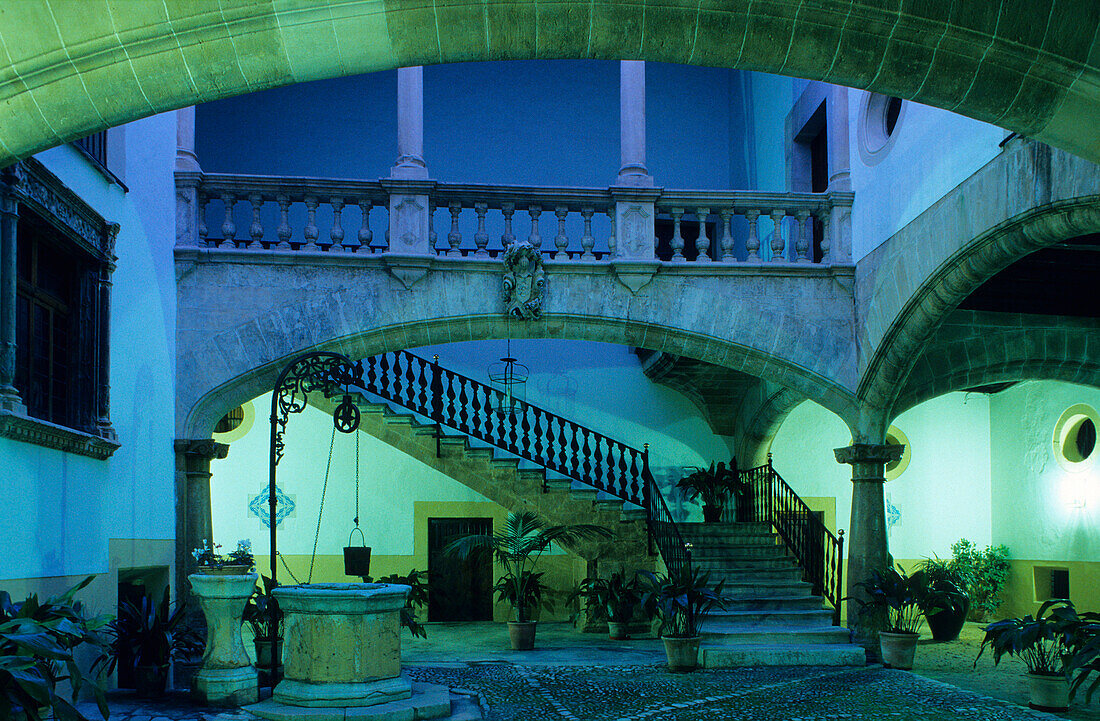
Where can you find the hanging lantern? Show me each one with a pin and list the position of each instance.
(508, 379)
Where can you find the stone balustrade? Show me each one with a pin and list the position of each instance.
(476, 222)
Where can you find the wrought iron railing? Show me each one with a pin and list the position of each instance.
(769, 499)
(470, 407)
(663, 531)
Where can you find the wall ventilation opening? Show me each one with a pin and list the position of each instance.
(1050, 582)
(1075, 437)
(235, 424)
(894, 437)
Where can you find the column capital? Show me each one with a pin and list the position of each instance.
(868, 453)
(202, 447)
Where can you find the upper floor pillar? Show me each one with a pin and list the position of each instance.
(410, 163)
(633, 170)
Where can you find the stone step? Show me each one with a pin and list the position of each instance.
(773, 602)
(741, 550)
(763, 654)
(743, 590)
(745, 573)
(725, 529)
(719, 621)
(731, 562)
(784, 635)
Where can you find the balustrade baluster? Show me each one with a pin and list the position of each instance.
(802, 246)
(449, 411)
(481, 238)
(752, 244)
(475, 409)
(311, 224)
(726, 243)
(702, 243)
(586, 454)
(490, 412)
(372, 375)
(507, 238)
(229, 228)
(778, 243)
(397, 387)
(612, 240)
(563, 446)
(256, 230)
(634, 475)
(384, 376)
(597, 457)
(623, 469)
(422, 399)
(336, 232)
(525, 427)
(454, 238)
(365, 234)
(535, 239)
(677, 240)
(203, 231)
(283, 231)
(537, 440)
(574, 451)
(433, 237)
(463, 407)
(561, 240)
(410, 381)
(826, 235)
(587, 241)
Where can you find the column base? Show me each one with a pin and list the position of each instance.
(328, 695)
(227, 686)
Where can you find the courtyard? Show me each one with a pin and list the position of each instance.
(578, 677)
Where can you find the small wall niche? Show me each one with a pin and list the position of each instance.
(1051, 582)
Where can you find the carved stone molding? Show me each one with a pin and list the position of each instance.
(635, 274)
(202, 447)
(41, 433)
(524, 283)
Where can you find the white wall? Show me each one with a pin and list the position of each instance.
(933, 151)
(61, 509)
(1034, 510)
(942, 496)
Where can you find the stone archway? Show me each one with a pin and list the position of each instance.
(69, 72)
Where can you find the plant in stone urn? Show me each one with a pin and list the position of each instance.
(237, 561)
(896, 603)
(615, 598)
(715, 485)
(517, 548)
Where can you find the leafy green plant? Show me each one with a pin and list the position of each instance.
(682, 598)
(152, 633)
(986, 572)
(241, 556)
(262, 612)
(517, 548)
(415, 601)
(897, 601)
(715, 485)
(36, 653)
(1086, 660)
(946, 585)
(615, 598)
(1046, 643)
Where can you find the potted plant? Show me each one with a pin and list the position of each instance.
(895, 603)
(715, 485)
(416, 600)
(615, 598)
(263, 616)
(682, 598)
(234, 563)
(517, 548)
(37, 640)
(946, 588)
(986, 572)
(153, 635)
(1047, 644)
(1086, 660)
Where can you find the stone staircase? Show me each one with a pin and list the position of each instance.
(772, 617)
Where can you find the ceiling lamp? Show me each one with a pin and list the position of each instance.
(508, 379)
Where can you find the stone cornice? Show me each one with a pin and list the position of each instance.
(203, 447)
(50, 435)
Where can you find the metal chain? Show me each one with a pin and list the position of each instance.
(317, 533)
(285, 566)
(357, 480)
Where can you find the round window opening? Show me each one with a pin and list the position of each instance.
(231, 421)
(1075, 437)
(894, 437)
(235, 424)
(879, 119)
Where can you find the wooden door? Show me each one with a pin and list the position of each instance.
(458, 590)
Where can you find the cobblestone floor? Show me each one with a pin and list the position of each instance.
(650, 693)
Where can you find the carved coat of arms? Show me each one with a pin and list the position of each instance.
(524, 281)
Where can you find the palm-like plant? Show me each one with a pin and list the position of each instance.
(682, 599)
(900, 598)
(517, 548)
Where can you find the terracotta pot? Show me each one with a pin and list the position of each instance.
(712, 514)
(898, 649)
(522, 635)
(149, 681)
(945, 625)
(682, 653)
(1048, 693)
(618, 630)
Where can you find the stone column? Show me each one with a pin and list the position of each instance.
(10, 402)
(103, 341)
(632, 125)
(227, 677)
(867, 545)
(188, 178)
(194, 522)
(836, 123)
(410, 125)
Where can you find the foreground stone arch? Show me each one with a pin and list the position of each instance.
(71, 68)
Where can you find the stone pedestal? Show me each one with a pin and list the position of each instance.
(341, 645)
(227, 677)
